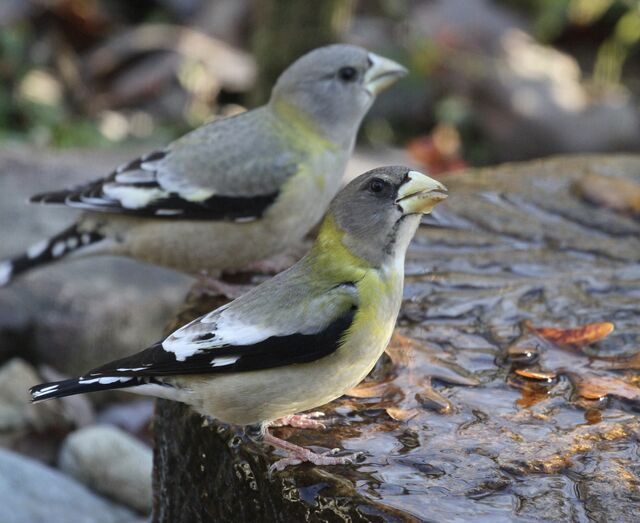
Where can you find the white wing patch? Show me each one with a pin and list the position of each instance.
(6, 269)
(198, 195)
(106, 380)
(137, 176)
(227, 360)
(45, 390)
(133, 197)
(37, 249)
(212, 331)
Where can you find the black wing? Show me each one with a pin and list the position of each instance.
(138, 179)
(275, 351)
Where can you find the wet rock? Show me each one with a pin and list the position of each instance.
(78, 314)
(33, 493)
(17, 413)
(512, 243)
(133, 417)
(111, 462)
(23, 425)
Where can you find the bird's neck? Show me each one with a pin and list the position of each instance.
(330, 255)
(305, 126)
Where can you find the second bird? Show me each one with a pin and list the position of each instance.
(235, 191)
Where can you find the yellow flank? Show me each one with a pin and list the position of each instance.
(371, 290)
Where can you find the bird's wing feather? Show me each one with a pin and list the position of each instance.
(231, 169)
(222, 341)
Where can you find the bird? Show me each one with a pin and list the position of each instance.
(299, 340)
(235, 191)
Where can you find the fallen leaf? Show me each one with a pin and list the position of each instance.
(612, 192)
(596, 386)
(400, 414)
(431, 399)
(369, 389)
(536, 374)
(578, 336)
(400, 349)
(558, 352)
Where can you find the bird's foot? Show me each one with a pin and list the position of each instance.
(210, 286)
(298, 454)
(301, 421)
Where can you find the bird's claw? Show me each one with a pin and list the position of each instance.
(301, 421)
(326, 458)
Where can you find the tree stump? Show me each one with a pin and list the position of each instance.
(450, 431)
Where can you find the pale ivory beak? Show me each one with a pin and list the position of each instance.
(382, 73)
(419, 194)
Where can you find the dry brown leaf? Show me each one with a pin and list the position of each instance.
(613, 192)
(536, 374)
(431, 399)
(368, 389)
(595, 387)
(400, 349)
(578, 336)
(400, 414)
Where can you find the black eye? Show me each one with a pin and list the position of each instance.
(347, 74)
(377, 185)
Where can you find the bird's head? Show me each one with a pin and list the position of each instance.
(377, 214)
(335, 86)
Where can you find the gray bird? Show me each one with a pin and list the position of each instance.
(299, 340)
(235, 191)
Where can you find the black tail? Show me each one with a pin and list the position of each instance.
(67, 242)
(60, 389)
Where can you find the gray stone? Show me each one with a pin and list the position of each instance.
(17, 413)
(33, 493)
(111, 462)
(80, 313)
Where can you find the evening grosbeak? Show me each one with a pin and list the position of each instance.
(300, 339)
(235, 191)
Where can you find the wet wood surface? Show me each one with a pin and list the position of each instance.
(472, 414)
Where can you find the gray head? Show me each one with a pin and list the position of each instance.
(336, 86)
(378, 212)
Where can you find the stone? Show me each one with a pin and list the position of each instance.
(111, 462)
(34, 493)
(17, 413)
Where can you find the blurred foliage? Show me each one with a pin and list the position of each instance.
(105, 72)
(615, 23)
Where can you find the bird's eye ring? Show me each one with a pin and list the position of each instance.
(347, 74)
(376, 185)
